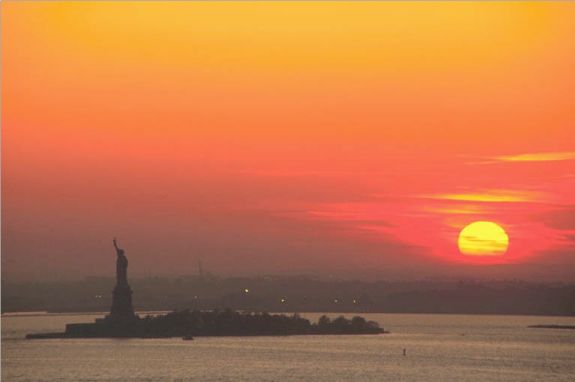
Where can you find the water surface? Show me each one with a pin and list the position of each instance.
(439, 348)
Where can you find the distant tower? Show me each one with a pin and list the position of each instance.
(200, 269)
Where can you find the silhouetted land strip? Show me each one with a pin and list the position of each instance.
(214, 323)
(553, 326)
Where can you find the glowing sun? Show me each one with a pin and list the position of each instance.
(483, 239)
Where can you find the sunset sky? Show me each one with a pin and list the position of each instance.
(346, 139)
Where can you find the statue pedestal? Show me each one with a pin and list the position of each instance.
(122, 303)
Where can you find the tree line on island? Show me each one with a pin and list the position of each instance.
(191, 323)
(233, 323)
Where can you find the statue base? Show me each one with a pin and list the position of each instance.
(122, 303)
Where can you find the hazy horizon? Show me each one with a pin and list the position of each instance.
(536, 273)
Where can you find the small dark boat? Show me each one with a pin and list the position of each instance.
(188, 338)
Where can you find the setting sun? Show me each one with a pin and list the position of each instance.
(483, 238)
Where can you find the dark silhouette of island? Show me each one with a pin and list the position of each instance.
(553, 326)
(215, 323)
(122, 322)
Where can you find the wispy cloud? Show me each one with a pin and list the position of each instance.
(537, 157)
(556, 156)
(490, 196)
(292, 174)
(460, 210)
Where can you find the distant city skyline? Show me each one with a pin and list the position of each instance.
(296, 294)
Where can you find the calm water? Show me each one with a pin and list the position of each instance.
(439, 348)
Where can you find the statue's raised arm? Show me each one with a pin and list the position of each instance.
(118, 249)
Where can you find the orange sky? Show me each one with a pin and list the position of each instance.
(287, 137)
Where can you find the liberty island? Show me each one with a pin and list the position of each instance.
(123, 322)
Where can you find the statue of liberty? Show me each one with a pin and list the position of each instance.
(122, 295)
(121, 265)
